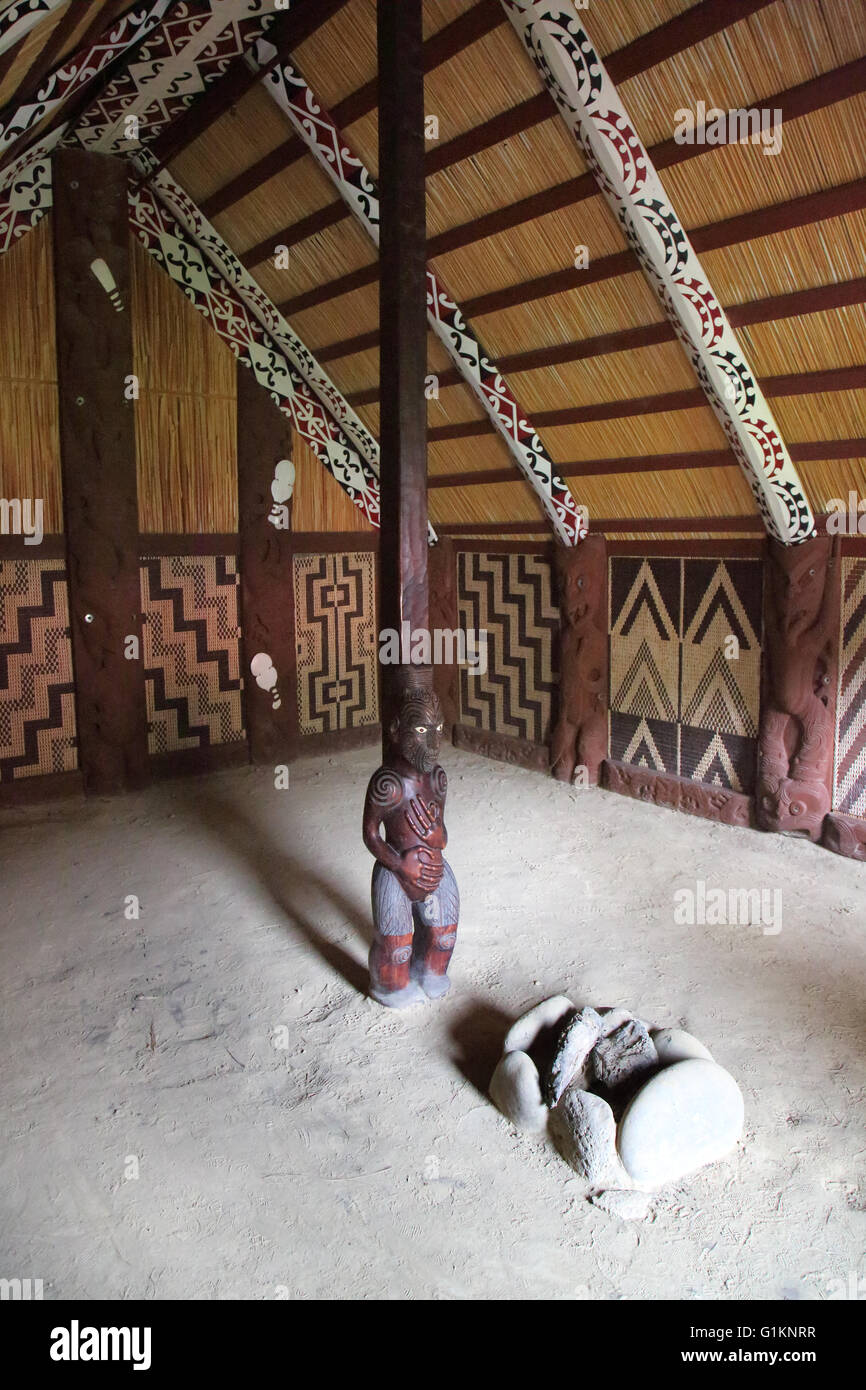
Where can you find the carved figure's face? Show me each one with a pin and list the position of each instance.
(417, 732)
(579, 581)
(793, 808)
(800, 587)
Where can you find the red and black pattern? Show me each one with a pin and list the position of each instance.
(37, 694)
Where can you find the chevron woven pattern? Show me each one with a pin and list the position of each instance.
(37, 701)
(191, 652)
(685, 698)
(511, 598)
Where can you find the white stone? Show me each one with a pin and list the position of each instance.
(522, 1034)
(516, 1090)
(687, 1115)
(627, 1205)
(675, 1045)
(585, 1128)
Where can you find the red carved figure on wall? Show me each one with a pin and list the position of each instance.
(415, 900)
(795, 750)
(580, 735)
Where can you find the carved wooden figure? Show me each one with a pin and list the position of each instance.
(795, 747)
(412, 882)
(580, 736)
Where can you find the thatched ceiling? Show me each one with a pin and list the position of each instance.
(506, 208)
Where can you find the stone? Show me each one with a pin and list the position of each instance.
(516, 1090)
(687, 1115)
(675, 1045)
(625, 1057)
(578, 1036)
(613, 1018)
(617, 1201)
(584, 1126)
(522, 1034)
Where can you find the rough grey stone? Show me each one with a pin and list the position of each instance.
(624, 1057)
(584, 1126)
(577, 1038)
(522, 1034)
(687, 1115)
(516, 1090)
(616, 1201)
(675, 1045)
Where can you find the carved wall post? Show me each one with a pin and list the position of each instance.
(801, 654)
(579, 737)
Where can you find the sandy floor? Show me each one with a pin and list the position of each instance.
(291, 1138)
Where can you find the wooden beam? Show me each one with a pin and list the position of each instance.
(98, 462)
(403, 580)
(653, 463)
(756, 311)
(692, 398)
(267, 609)
(446, 43)
(715, 525)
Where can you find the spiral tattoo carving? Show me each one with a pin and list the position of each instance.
(386, 789)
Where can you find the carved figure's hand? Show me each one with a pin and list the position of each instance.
(423, 816)
(420, 872)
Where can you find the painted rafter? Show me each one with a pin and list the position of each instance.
(19, 17)
(591, 107)
(79, 69)
(353, 181)
(165, 239)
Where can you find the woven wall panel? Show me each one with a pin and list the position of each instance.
(511, 598)
(678, 703)
(191, 652)
(850, 781)
(335, 614)
(37, 700)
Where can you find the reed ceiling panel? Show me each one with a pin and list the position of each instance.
(691, 492)
(318, 501)
(829, 415)
(29, 430)
(465, 455)
(835, 338)
(504, 502)
(829, 479)
(608, 307)
(669, 432)
(343, 317)
(186, 416)
(820, 254)
(232, 144)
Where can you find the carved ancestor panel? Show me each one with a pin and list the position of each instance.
(335, 615)
(678, 793)
(850, 779)
(798, 716)
(191, 652)
(37, 699)
(686, 667)
(511, 598)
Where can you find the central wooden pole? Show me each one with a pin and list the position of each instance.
(403, 339)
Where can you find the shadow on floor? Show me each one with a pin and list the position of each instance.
(478, 1034)
(287, 880)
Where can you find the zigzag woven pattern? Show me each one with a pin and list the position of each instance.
(850, 784)
(684, 698)
(191, 652)
(335, 620)
(511, 598)
(37, 700)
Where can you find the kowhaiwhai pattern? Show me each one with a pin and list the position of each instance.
(590, 104)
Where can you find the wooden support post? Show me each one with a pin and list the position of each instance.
(579, 741)
(802, 595)
(97, 451)
(403, 339)
(265, 474)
